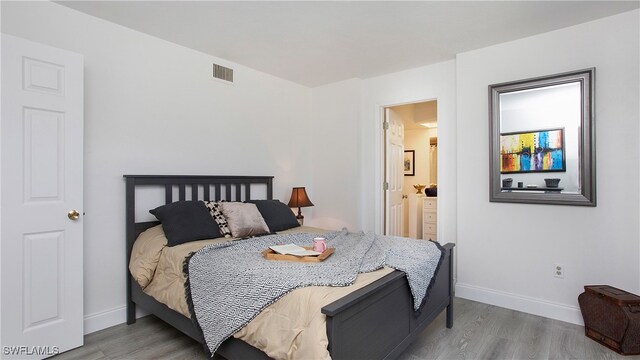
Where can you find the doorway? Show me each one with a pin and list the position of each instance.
(410, 164)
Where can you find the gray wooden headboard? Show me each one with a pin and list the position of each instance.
(189, 187)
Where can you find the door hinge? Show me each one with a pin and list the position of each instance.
(385, 125)
(385, 186)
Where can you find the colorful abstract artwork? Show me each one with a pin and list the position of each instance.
(532, 151)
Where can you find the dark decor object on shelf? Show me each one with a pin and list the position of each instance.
(431, 191)
(612, 318)
(507, 182)
(552, 183)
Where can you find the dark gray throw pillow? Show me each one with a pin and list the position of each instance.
(276, 214)
(185, 221)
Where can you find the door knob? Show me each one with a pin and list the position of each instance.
(73, 215)
(405, 196)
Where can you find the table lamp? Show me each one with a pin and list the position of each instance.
(299, 199)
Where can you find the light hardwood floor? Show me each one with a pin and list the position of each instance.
(479, 331)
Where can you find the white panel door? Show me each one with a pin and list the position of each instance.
(394, 175)
(41, 181)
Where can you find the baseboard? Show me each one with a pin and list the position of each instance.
(104, 319)
(108, 318)
(530, 305)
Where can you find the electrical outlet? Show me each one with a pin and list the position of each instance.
(558, 271)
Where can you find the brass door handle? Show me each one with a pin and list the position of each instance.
(405, 196)
(73, 215)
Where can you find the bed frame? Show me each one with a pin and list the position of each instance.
(374, 322)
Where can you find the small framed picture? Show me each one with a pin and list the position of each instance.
(409, 162)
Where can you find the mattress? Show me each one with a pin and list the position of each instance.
(291, 328)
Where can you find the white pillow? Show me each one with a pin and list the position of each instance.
(244, 219)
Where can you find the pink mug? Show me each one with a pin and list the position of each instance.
(319, 244)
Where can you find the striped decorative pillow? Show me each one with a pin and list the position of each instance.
(216, 214)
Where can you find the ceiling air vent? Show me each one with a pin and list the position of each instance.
(222, 73)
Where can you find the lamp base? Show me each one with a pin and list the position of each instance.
(300, 219)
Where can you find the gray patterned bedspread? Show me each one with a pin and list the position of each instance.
(229, 284)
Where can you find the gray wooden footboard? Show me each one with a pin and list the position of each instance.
(378, 321)
(374, 322)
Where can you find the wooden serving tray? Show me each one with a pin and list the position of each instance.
(272, 255)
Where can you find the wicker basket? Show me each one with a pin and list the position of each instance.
(612, 318)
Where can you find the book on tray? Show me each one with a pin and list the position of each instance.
(292, 249)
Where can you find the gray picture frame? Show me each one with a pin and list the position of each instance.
(586, 142)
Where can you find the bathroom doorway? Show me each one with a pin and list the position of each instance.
(410, 153)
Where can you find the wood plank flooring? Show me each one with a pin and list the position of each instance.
(480, 331)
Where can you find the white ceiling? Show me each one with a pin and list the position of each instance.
(318, 42)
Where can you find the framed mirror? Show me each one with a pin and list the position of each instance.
(542, 141)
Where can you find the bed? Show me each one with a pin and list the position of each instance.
(351, 321)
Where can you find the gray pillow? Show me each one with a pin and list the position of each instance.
(244, 219)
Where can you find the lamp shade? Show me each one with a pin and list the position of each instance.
(299, 198)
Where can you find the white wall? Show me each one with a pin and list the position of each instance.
(151, 107)
(506, 252)
(350, 114)
(425, 83)
(335, 137)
